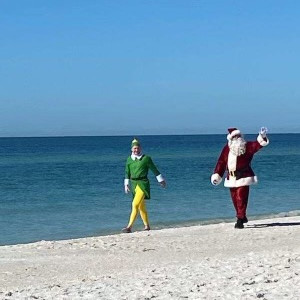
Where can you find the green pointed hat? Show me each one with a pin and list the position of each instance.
(135, 142)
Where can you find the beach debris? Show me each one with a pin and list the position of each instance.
(268, 281)
(148, 249)
(201, 284)
(260, 295)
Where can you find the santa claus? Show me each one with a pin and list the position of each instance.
(236, 158)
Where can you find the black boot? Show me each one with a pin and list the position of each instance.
(239, 224)
(245, 220)
(126, 230)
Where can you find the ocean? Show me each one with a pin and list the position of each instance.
(54, 188)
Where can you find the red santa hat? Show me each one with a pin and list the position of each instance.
(233, 132)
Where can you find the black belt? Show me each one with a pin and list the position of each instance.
(140, 178)
(238, 173)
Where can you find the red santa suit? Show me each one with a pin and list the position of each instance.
(239, 175)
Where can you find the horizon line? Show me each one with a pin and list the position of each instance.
(131, 135)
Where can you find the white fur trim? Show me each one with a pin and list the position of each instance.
(126, 181)
(261, 140)
(160, 178)
(231, 162)
(215, 177)
(232, 182)
(231, 135)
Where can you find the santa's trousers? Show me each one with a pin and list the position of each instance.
(239, 198)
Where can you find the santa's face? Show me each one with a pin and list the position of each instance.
(237, 146)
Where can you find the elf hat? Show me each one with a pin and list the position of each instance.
(135, 142)
(233, 132)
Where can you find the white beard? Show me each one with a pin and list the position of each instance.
(237, 146)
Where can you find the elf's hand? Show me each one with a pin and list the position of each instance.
(127, 189)
(163, 183)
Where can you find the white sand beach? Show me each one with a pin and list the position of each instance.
(216, 261)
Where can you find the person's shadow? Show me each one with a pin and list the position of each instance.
(272, 225)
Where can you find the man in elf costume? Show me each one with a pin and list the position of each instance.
(136, 172)
(236, 159)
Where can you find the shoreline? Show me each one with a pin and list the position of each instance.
(198, 262)
(170, 225)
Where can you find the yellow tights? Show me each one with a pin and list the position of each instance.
(138, 205)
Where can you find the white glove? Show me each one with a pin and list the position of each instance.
(263, 131)
(215, 179)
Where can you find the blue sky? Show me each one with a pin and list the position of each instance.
(117, 67)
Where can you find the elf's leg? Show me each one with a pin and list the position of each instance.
(144, 214)
(136, 202)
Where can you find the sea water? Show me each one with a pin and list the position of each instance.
(55, 188)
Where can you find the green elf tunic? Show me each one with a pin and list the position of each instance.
(137, 172)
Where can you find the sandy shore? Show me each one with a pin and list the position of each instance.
(200, 262)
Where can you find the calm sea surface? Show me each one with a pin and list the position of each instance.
(69, 187)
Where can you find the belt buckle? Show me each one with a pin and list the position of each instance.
(231, 173)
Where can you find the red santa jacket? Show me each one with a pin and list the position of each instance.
(239, 171)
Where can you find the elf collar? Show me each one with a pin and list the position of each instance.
(136, 157)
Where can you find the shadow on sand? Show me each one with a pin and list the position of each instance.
(272, 225)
